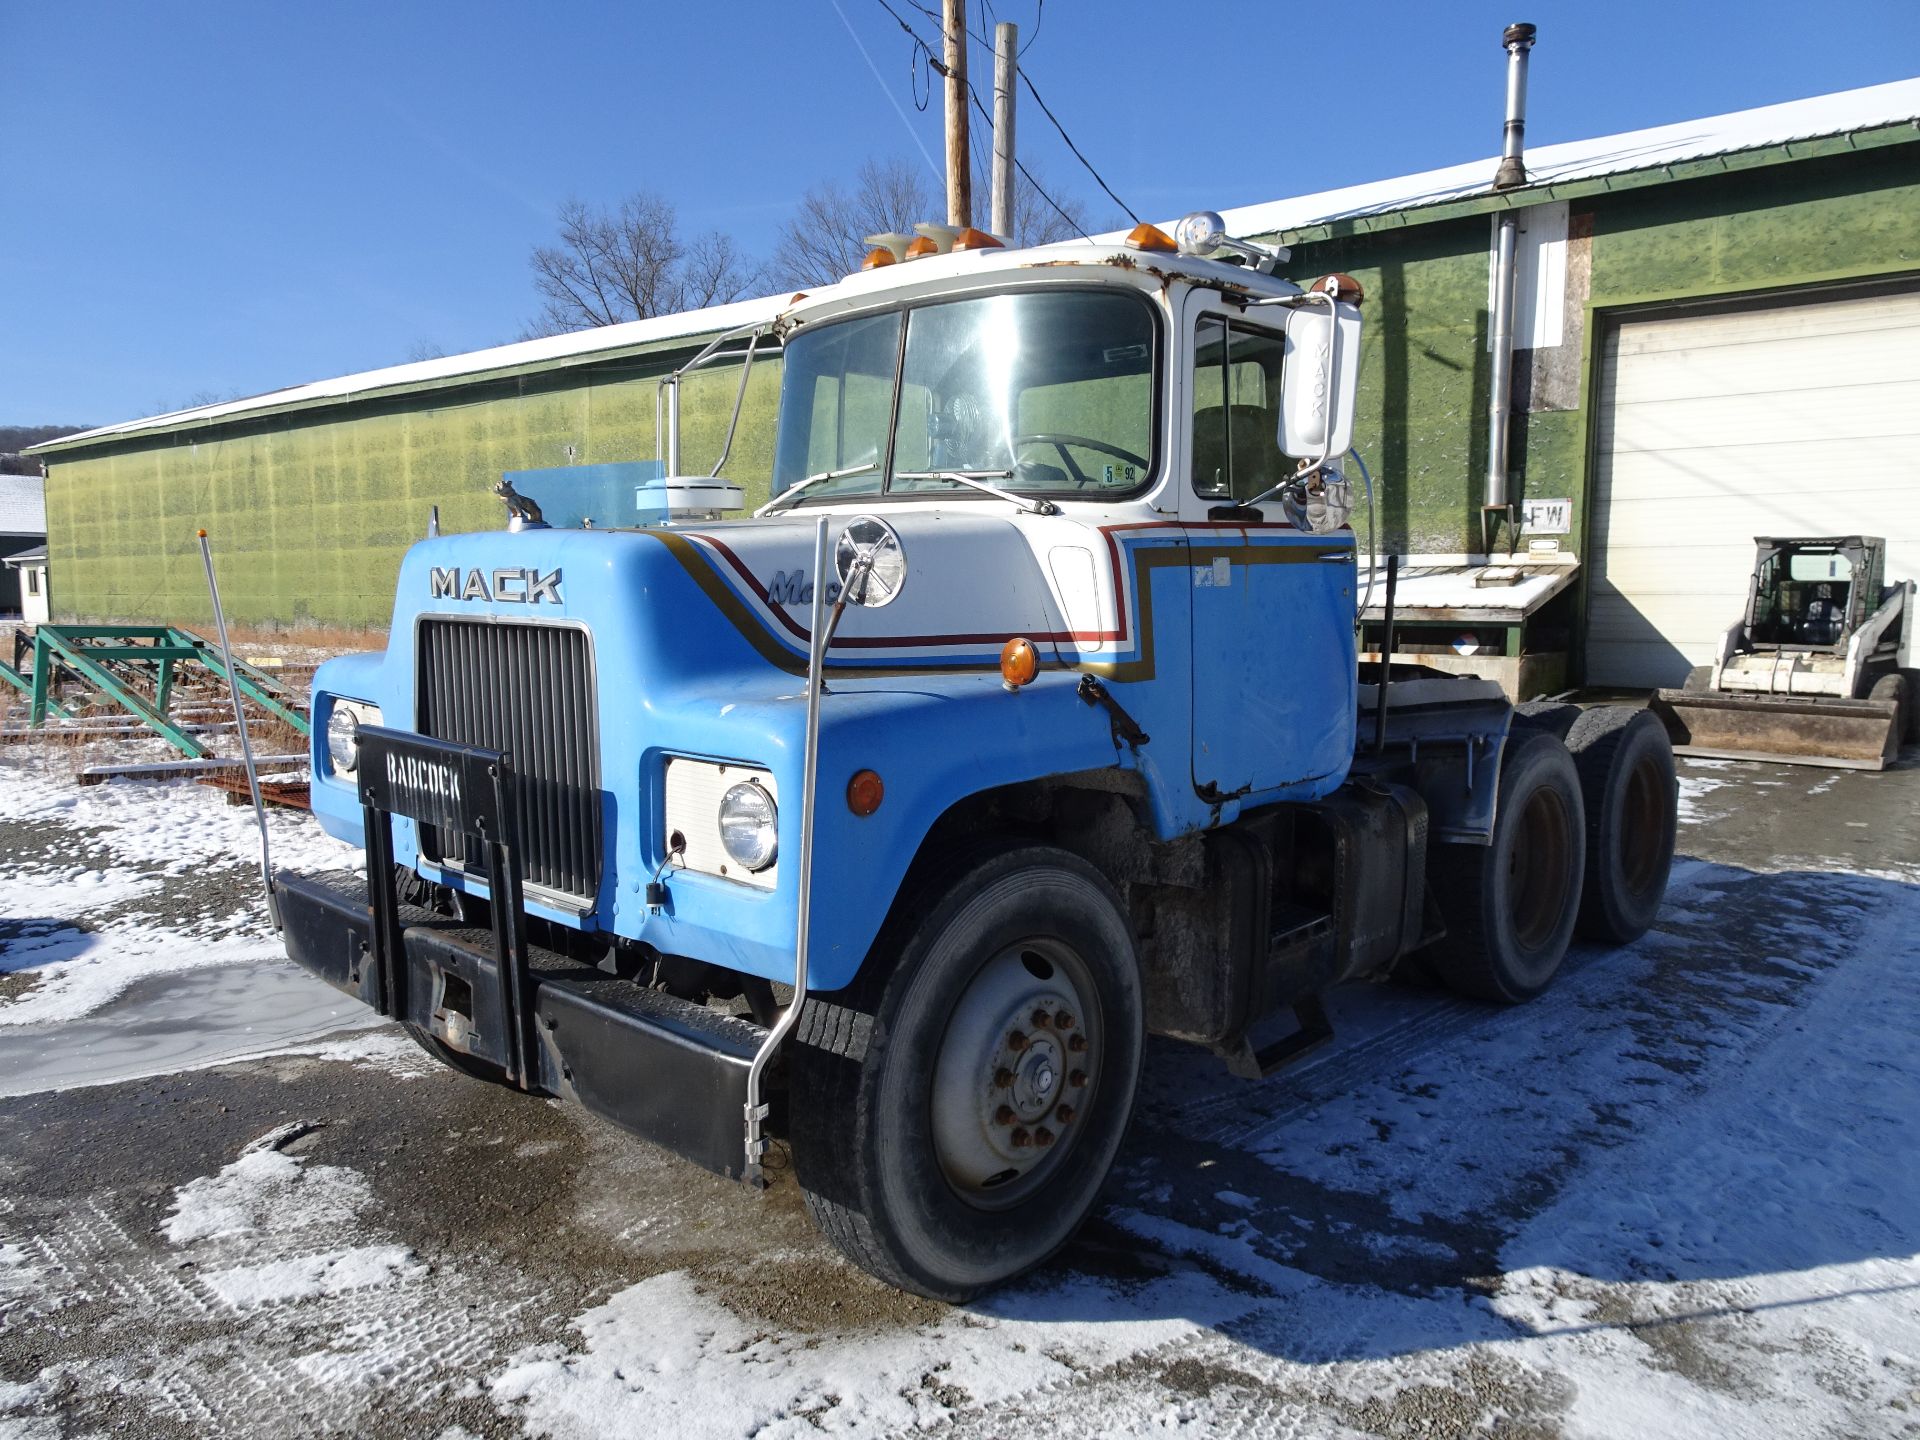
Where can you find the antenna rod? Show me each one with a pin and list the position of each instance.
(240, 723)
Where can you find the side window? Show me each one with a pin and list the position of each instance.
(1236, 411)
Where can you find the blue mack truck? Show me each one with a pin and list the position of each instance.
(1024, 721)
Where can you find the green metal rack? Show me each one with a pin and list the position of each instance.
(120, 662)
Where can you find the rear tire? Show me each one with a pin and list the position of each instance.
(1627, 780)
(937, 1152)
(1510, 905)
(1556, 717)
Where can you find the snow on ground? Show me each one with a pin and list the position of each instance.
(1672, 1198)
(80, 930)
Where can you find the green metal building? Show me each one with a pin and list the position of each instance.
(1718, 337)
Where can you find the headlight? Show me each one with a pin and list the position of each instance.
(749, 825)
(343, 733)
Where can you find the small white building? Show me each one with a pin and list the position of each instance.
(23, 528)
(29, 569)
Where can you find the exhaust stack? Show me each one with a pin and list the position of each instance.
(1517, 40)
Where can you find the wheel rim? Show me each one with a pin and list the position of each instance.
(1537, 868)
(1018, 1066)
(1642, 821)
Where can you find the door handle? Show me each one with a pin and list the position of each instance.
(1338, 557)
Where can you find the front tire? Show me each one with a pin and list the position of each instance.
(1510, 905)
(954, 1115)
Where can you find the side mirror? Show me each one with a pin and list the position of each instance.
(870, 563)
(1320, 380)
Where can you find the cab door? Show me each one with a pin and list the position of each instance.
(1272, 611)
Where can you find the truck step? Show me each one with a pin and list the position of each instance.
(1311, 1030)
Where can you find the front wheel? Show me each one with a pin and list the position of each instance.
(955, 1114)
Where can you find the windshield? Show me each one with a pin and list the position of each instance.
(1047, 393)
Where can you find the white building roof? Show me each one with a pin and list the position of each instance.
(23, 505)
(1869, 108)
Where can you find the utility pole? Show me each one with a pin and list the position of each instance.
(959, 165)
(1006, 37)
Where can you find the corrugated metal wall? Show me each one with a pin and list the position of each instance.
(310, 515)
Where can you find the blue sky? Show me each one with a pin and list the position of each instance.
(227, 198)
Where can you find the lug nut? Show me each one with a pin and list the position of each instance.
(1064, 1114)
(1041, 1019)
(1004, 1115)
(1064, 1019)
(1003, 1078)
(1043, 1136)
(1016, 1042)
(1078, 1079)
(1076, 1043)
(1021, 1139)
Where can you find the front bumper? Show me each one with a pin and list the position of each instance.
(667, 1069)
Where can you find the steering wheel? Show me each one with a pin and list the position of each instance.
(1060, 440)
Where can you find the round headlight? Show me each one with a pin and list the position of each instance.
(343, 739)
(749, 825)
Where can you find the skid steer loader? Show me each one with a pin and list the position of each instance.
(1818, 671)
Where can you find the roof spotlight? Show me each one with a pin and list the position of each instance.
(1201, 233)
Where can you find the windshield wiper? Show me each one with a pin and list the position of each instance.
(792, 493)
(1029, 503)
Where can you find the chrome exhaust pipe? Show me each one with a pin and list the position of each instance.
(1518, 40)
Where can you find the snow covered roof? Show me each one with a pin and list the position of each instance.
(1869, 108)
(23, 505)
(1872, 107)
(605, 339)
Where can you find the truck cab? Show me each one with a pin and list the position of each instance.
(1024, 719)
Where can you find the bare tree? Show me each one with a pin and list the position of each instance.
(826, 238)
(630, 263)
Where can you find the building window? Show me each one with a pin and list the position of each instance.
(33, 581)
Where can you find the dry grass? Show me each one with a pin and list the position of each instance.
(325, 639)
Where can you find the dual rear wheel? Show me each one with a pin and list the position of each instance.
(1582, 842)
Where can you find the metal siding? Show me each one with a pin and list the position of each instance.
(1798, 419)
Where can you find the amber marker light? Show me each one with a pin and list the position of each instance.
(972, 239)
(865, 792)
(1151, 237)
(1343, 288)
(1019, 662)
(925, 245)
(877, 257)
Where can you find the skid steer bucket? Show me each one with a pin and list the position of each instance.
(1793, 730)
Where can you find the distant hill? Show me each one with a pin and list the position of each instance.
(15, 438)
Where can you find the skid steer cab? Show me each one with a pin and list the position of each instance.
(1023, 721)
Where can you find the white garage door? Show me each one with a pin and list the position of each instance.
(1796, 419)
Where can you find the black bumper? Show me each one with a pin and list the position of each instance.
(668, 1070)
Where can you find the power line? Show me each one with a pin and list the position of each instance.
(1026, 79)
(935, 63)
(855, 36)
(1027, 174)
(1034, 91)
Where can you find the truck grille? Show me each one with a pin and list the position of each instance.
(527, 690)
